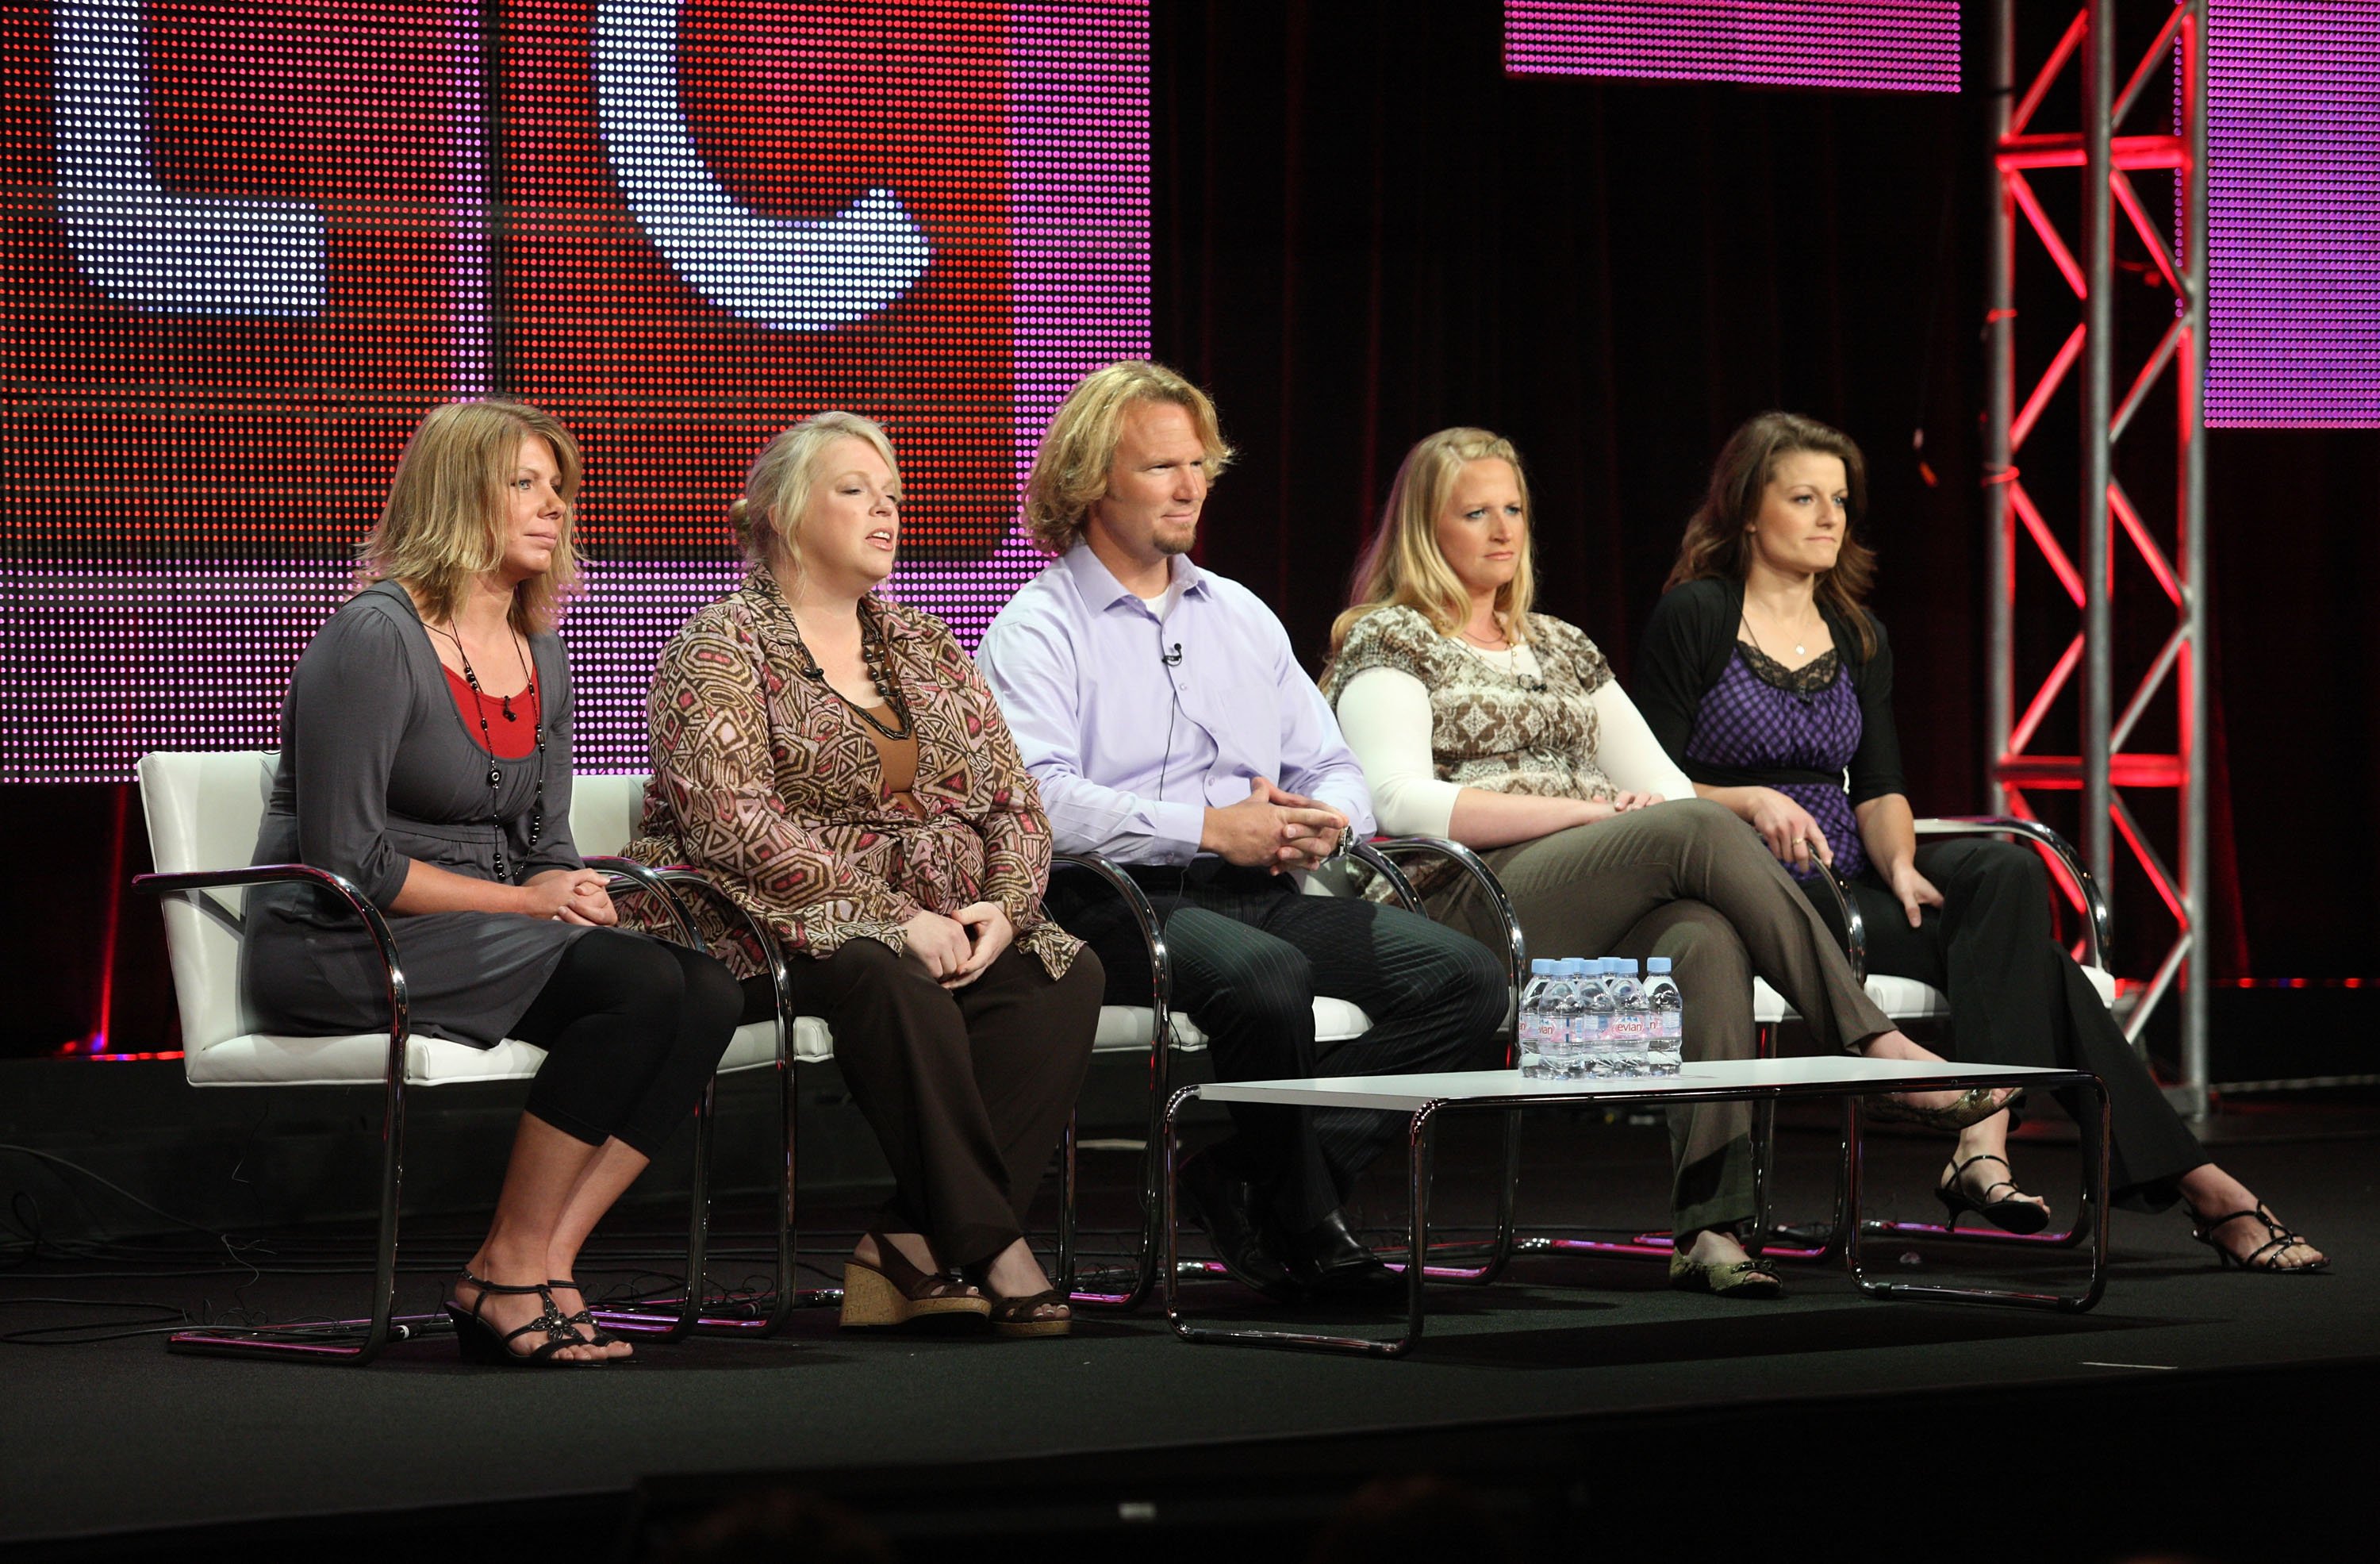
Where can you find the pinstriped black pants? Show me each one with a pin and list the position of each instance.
(1250, 954)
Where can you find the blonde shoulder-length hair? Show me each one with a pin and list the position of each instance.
(768, 517)
(444, 523)
(1069, 471)
(1403, 567)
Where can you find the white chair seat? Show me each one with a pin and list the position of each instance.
(1901, 999)
(1125, 1028)
(260, 1058)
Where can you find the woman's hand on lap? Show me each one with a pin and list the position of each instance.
(938, 944)
(571, 896)
(1791, 831)
(987, 928)
(1914, 891)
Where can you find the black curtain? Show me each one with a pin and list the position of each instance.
(1366, 231)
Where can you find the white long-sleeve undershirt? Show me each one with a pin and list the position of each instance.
(1384, 714)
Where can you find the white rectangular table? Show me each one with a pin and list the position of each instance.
(1426, 1098)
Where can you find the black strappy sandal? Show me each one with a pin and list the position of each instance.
(2009, 1214)
(480, 1344)
(2266, 1256)
(596, 1335)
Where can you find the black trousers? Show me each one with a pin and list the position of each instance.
(967, 1089)
(2017, 998)
(632, 1029)
(1249, 956)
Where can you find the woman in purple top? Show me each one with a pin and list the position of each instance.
(1771, 685)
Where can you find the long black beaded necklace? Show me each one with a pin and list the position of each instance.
(495, 774)
(873, 652)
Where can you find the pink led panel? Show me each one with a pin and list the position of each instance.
(1896, 46)
(250, 243)
(2293, 213)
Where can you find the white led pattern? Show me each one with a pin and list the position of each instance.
(679, 227)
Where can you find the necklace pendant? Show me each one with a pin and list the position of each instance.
(1799, 651)
(509, 716)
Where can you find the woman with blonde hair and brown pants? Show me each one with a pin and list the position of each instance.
(1476, 719)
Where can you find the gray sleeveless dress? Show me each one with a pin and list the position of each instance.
(377, 767)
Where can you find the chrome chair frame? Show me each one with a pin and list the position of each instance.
(1823, 1241)
(692, 1311)
(2098, 936)
(357, 1342)
(1380, 856)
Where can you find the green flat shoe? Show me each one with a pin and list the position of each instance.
(1733, 1278)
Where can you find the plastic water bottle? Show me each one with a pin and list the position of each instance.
(1558, 1058)
(1533, 1017)
(1665, 1015)
(1595, 1019)
(1628, 1017)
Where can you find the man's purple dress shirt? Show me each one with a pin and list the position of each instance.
(1129, 748)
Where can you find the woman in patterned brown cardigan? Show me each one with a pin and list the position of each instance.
(834, 762)
(1479, 720)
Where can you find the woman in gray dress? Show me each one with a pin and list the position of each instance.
(425, 755)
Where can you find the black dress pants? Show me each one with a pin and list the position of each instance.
(967, 1089)
(632, 1029)
(2017, 998)
(1250, 953)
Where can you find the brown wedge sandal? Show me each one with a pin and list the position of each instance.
(1023, 1317)
(892, 1293)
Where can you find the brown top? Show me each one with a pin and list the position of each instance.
(762, 780)
(897, 758)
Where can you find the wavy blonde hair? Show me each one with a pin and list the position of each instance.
(444, 525)
(1403, 567)
(1069, 471)
(1717, 541)
(768, 517)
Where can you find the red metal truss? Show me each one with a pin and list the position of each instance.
(2077, 542)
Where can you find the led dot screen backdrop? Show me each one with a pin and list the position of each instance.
(2293, 213)
(248, 244)
(1900, 45)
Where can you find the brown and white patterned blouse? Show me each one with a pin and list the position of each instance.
(1502, 732)
(769, 784)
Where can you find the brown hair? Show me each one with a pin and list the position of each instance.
(1069, 471)
(1403, 565)
(1718, 542)
(443, 524)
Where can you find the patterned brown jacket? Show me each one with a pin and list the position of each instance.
(767, 783)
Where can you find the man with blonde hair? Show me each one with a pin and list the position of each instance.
(1167, 721)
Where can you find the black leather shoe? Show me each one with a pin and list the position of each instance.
(1329, 1261)
(1225, 1205)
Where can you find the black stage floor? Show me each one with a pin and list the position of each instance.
(2208, 1411)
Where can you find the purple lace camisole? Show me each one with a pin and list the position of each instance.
(1761, 714)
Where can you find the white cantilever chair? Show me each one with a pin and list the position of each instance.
(204, 811)
(603, 816)
(1905, 1000)
(1158, 1031)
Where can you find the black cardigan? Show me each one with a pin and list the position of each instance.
(1686, 649)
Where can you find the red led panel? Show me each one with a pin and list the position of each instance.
(249, 244)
